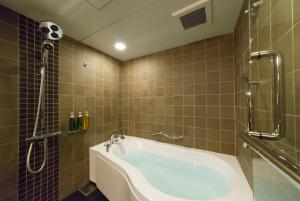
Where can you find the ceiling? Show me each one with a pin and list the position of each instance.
(145, 26)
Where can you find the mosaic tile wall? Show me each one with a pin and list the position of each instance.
(43, 185)
(188, 90)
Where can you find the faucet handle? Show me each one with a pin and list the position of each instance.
(107, 143)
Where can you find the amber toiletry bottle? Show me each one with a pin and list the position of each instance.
(86, 123)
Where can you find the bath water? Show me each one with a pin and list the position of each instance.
(179, 178)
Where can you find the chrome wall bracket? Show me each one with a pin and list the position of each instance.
(277, 95)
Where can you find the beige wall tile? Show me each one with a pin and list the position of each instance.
(285, 46)
(297, 46)
(8, 16)
(8, 188)
(9, 134)
(9, 83)
(9, 66)
(281, 19)
(8, 152)
(11, 117)
(213, 53)
(296, 11)
(8, 32)
(8, 49)
(9, 100)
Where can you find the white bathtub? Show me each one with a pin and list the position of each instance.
(121, 181)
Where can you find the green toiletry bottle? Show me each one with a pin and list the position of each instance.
(72, 122)
(79, 121)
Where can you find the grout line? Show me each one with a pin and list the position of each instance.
(294, 88)
(205, 63)
(219, 95)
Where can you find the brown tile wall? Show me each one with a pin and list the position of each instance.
(95, 88)
(9, 104)
(276, 26)
(188, 90)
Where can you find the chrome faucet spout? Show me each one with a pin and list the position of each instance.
(113, 139)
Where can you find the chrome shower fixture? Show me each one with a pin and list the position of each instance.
(50, 30)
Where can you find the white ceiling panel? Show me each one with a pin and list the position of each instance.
(78, 18)
(153, 29)
(99, 4)
(145, 26)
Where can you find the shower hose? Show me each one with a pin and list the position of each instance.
(40, 102)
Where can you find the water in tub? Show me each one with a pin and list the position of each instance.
(179, 178)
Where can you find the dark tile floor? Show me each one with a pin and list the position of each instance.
(95, 196)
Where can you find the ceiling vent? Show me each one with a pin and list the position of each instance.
(194, 15)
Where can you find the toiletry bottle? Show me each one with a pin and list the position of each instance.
(79, 121)
(86, 121)
(72, 122)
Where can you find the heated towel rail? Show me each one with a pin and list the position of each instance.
(277, 96)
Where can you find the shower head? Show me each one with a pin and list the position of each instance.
(47, 44)
(246, 86)
(50, 30)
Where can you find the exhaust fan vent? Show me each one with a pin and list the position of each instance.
(194, 18)
(196, 14)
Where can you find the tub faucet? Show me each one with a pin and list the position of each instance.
(113, 139)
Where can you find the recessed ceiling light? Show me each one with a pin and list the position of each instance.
(120, 46)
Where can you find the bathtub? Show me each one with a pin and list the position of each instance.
(137, 169)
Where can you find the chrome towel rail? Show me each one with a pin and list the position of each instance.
(277, 95)
(41, 137)
(174, 137)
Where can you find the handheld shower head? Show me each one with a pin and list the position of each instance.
(47, 44)
(50, 30)
(247, 90)
(246, 86)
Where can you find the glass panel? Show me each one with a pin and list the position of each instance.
(271, 27)
(271, 184)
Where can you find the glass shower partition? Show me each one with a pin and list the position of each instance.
(275, 162)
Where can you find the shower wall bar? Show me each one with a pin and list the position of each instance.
(41, 137)
(277, 95)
